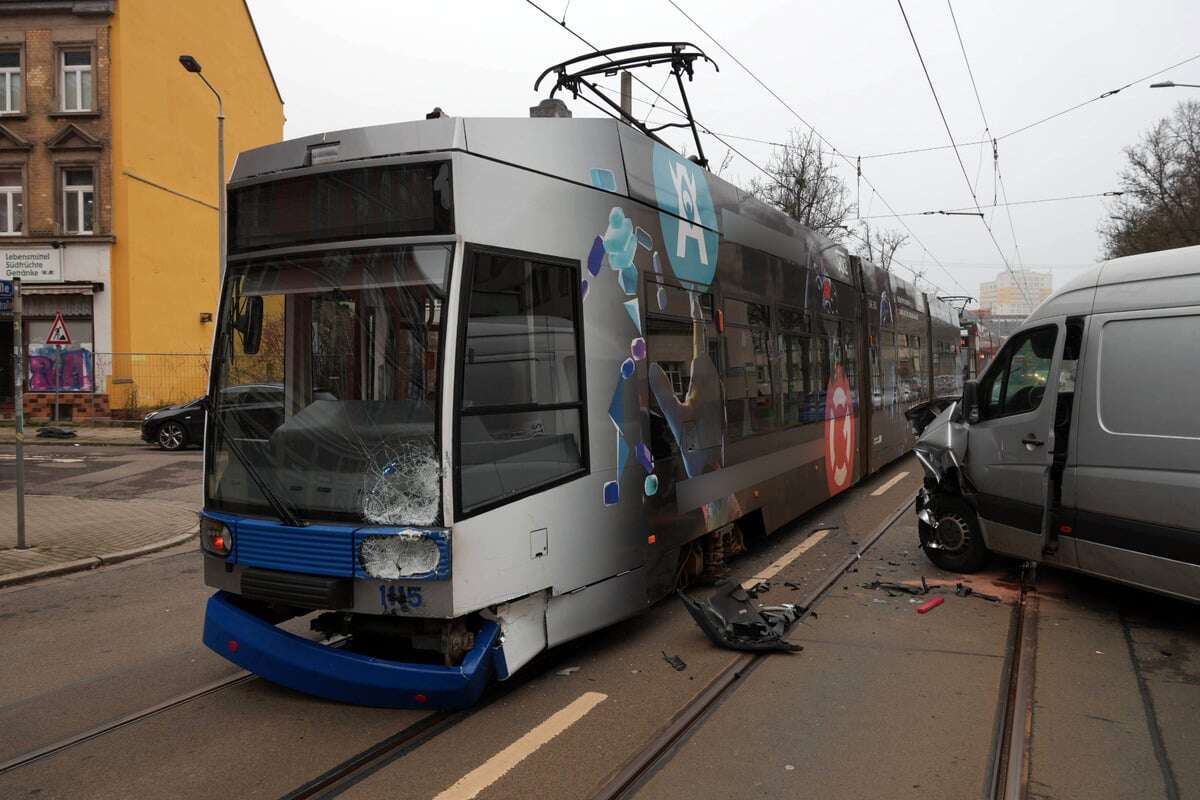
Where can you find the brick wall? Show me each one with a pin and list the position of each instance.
(39, 406)
(41, 38)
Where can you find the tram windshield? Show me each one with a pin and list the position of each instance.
(328, 377)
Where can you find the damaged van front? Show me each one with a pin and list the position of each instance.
(947, 522)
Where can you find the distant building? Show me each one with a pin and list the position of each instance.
(1003, 296)
(108, 191)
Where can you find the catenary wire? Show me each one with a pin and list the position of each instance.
(816, 133)
(1005, 204)
(957, 155)
(735, 150)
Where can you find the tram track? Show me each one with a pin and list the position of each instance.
(54, 748)
(1008, 774)
(626, 780)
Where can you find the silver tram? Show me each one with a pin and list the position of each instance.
(482, 386)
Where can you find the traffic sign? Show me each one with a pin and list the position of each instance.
(58, 331)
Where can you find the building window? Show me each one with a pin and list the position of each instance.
(79, 200)
(12, 202)
(77, 80)
(10, 81)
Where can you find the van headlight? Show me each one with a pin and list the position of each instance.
(405, 554)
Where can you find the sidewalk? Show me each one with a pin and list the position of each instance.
(89, 435)
(69, 533)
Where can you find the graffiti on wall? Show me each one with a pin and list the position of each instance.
(67, 369)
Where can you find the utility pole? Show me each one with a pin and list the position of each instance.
(627, 95)
(19, 403)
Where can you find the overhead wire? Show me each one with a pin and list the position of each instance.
(957, 155)
(987, 129)
(1000, 205)
(703, 128)
(816, 133)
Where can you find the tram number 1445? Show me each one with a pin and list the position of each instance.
(399, 598)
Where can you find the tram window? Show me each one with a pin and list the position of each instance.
(522, 405)
(791, 320)
(749, 397)
(794, 351)
(676, 302)
(671, 347)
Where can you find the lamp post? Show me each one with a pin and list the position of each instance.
(192, 65)
(1174, 85)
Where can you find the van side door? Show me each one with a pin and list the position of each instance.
(1137, 471)
(1011, 447)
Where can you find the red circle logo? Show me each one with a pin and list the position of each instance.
(839, 432)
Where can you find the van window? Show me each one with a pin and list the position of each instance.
(1016, 383)
(1150, 376)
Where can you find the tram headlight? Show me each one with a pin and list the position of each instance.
(406, 554)
(215, 537)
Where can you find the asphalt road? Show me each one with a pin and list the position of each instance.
(880, 703)
(106, 472)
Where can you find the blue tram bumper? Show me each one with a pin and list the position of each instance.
(314, 668)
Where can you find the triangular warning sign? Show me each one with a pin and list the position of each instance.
(58, 331)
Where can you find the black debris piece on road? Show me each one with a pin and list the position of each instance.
(890, 587)
(54, 432)
(677, 663)
(966, 591)
(732, 621)
(758, 588)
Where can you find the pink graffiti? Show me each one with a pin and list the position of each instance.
(76, 375)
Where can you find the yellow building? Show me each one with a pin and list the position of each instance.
(165, 263)
(109, 192)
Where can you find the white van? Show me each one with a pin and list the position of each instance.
(1080, 444)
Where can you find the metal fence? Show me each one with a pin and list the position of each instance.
(87, 385)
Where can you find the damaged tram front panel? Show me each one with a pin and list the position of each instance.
(482, 386)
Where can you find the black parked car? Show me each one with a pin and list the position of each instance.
(175, 427)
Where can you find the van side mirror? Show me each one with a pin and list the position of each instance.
(249, 324)
(971, 402)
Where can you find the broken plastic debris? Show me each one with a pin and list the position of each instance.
(675, 661)
(888, 586)
(930, 605)
(963, 590)
(567, 671)
(730, 620)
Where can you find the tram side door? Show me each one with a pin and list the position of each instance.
(1012, 445)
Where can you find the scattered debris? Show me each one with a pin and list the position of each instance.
(963, 590)
(55, 432)
(930, 605)
(570, 671)
(675, 661)
(731, 621)
(792, 586)
(759, 588)
(789, 767)
(888, 586)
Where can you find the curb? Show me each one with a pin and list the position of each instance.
(85, 564)
(36, 442)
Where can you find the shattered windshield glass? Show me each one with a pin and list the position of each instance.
(328, 383)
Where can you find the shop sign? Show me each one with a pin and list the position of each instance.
(32, 264)
(6, 297)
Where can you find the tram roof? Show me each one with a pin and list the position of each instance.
(568, 149)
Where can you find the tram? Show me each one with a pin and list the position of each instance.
(483, 386)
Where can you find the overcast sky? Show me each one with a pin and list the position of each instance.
(848, 68)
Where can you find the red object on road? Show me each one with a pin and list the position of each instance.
(930, 605)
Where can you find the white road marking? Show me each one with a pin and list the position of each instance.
(889, 484)
(789, 557)
(498, 765)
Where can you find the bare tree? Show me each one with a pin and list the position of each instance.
(1160, 204)
(880, 246)
(804, 186)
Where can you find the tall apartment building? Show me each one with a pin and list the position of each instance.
(108, 188)
(1004, 296)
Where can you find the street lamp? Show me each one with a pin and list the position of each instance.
(192, 65)
(1174, 85)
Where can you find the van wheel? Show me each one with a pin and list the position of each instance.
(956, 544)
